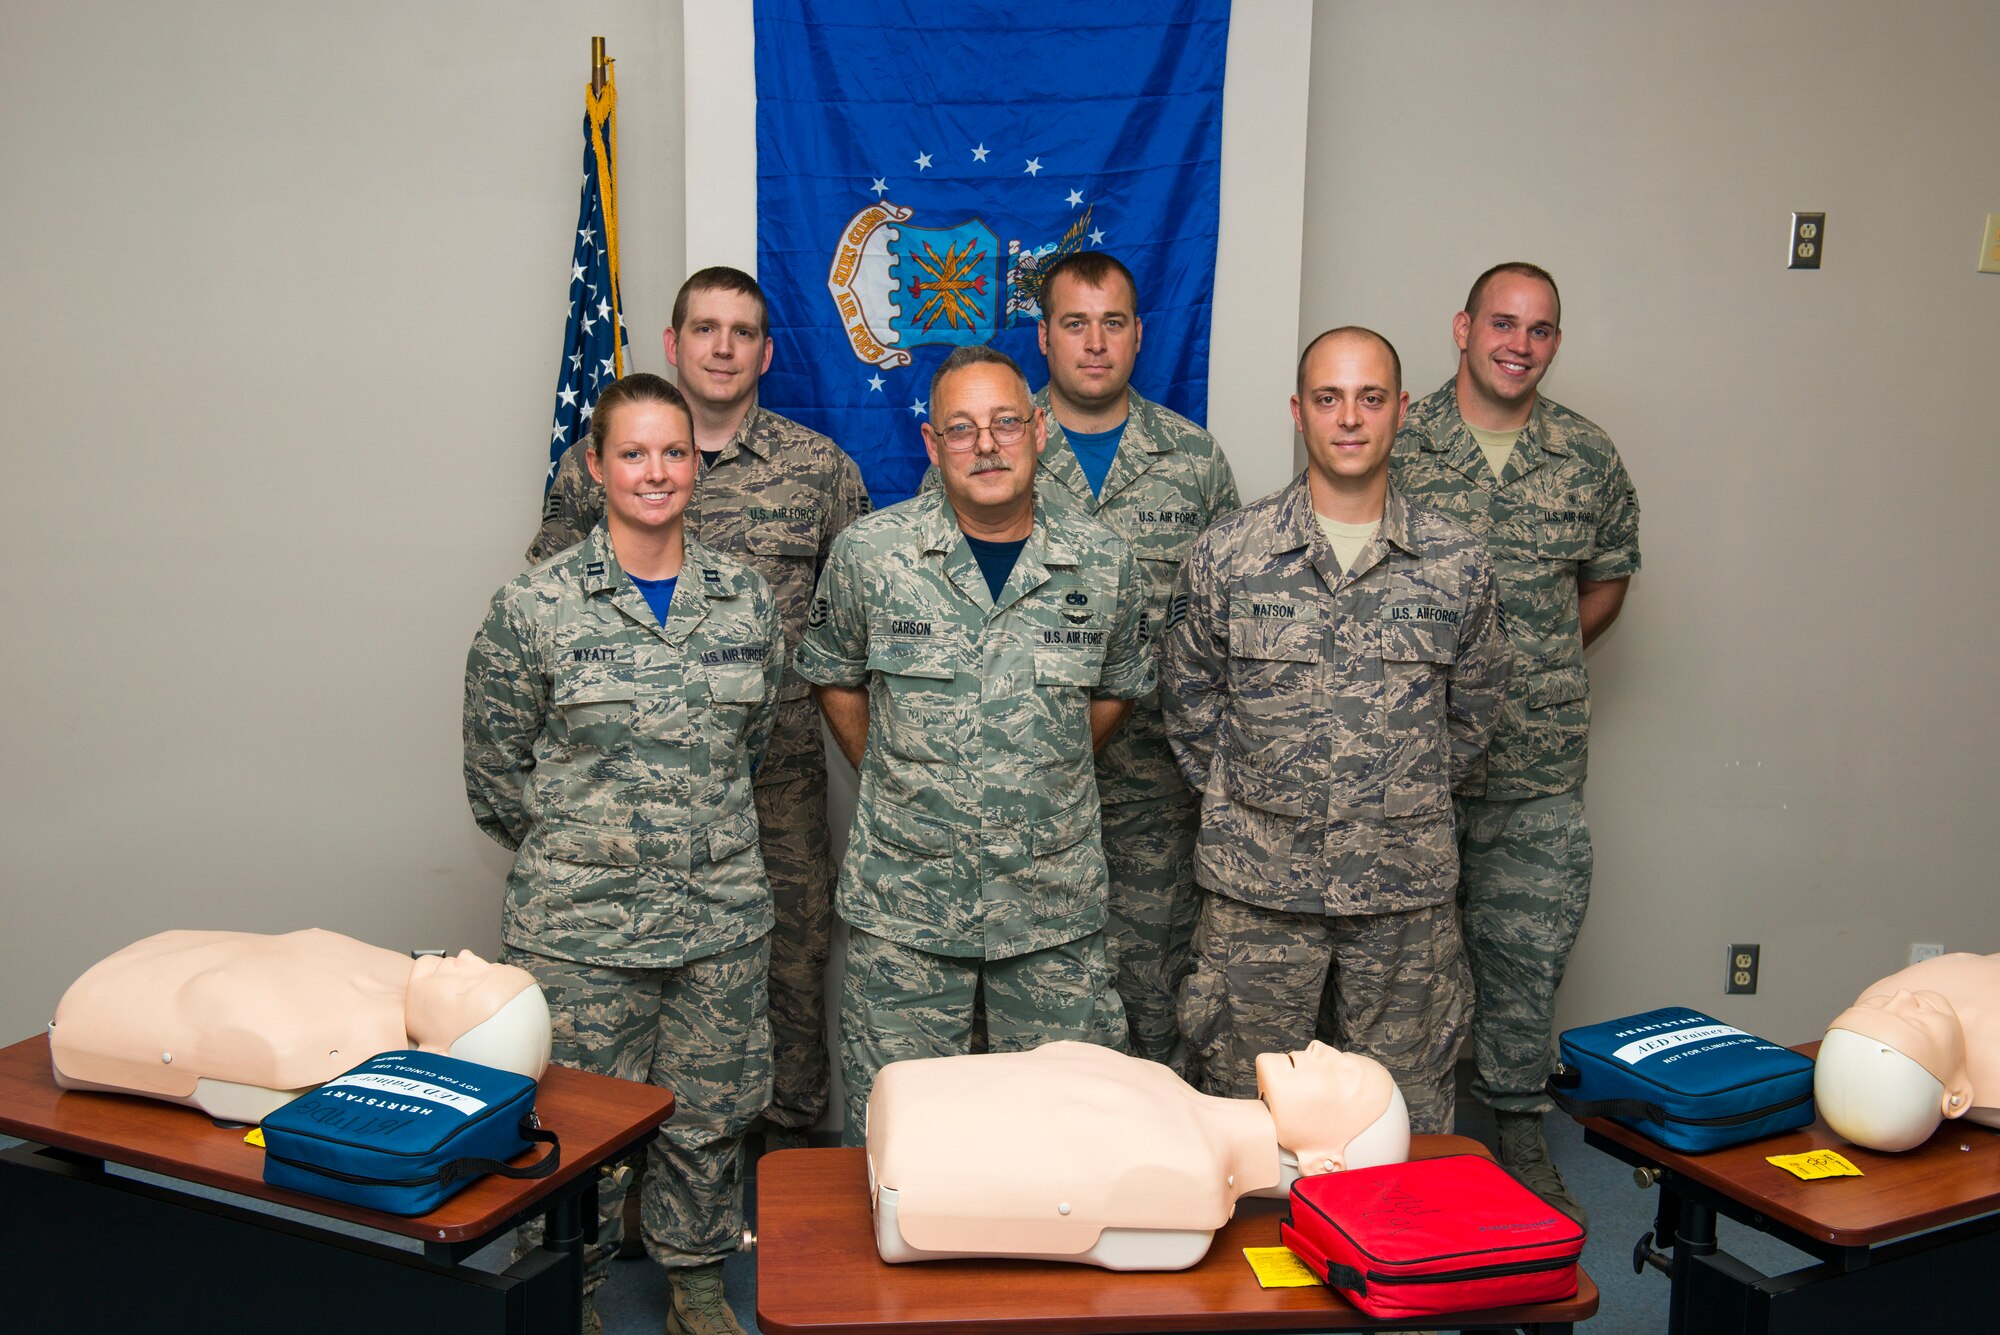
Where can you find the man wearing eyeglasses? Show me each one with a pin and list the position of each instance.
(970, 648)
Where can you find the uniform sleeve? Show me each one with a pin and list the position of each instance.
(571, 509)
(1194, 656)
(848, 503)
(1222, 497)
(834, 651)
(506, 703)
(1129, 670)
(1616, 551)
(758, 735)
(1479, 674)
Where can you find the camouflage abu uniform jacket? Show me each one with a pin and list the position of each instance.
(1324, 716)
(976, 831)
(1563, 509)
(774, 498)
(1168, 482)
(613, 754)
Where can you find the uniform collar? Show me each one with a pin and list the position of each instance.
(1048, 544)
(1136, 450)
(702, 580)
(750, 435)
(1296, 526)
(1447, 433)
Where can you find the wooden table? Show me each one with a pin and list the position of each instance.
(817, 1271)
(85, 1249)
(1876, 1274)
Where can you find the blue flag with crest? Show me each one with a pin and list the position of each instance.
(920, 164)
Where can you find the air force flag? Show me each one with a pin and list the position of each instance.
(920, 165)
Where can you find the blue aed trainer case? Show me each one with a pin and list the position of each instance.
(405, 1130)
(1684, 1079)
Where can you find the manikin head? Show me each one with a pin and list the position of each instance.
(1334, 1110)
(493, 1014)
(1891, 1068)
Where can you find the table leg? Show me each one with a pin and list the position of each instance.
(1694, 1235)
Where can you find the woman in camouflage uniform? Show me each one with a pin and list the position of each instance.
(616, 702)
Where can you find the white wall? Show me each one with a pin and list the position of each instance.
(285, 286)
(1795, 730)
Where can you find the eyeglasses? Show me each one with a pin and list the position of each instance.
(962, 436)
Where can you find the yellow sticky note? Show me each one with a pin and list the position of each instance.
(1814, 1164)
(1278, 1268)
(256, 1137)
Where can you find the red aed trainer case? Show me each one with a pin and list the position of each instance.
(1453, 1234)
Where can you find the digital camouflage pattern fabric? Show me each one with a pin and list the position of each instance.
(1395, 985)
(1527, 870)
(699, 1029)
(1563, 509)
(898, 1003)
(1325, 716)
(614, 755)
(774, 497)
(976, 829)
(1168, 482)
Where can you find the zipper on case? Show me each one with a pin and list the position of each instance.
(1739, 1119)
(353, 1178)
(1474, 1272)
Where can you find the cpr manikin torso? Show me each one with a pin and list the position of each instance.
(237, 1023)
(1920, 1046)
(1072, 1152)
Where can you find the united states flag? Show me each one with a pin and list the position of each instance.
(594, 341)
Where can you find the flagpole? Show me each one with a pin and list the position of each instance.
(597, 64)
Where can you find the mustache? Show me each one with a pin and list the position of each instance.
(991, 463)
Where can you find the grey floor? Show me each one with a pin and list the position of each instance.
(634, 1301)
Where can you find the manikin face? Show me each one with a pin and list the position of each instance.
(1349, 407)
(721, 350)
(449, 994)
(1091, 337)
(988, 480)
(1920, 1025)
(1320, 1100)
(647, 465)
(1509, 342)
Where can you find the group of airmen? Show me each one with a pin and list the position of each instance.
(1138, 765)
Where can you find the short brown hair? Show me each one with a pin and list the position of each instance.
(722, 278)
(1092, 268)
(636, 387)
(1525, 270)
(973, 354)
(1395, 358)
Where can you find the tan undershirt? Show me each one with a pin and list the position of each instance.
(1495, 445)
(1347, 540)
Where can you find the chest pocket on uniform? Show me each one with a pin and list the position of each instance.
(925, 712)
(1416, 660)
(735, 683)
(1564, 541)
(594, 690)
(790, 538)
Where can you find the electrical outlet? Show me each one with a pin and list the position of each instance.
(1742, 974)
(1989, 245)
(1808, 240)
(1924, 950)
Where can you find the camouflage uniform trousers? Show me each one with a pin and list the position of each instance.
(798, 860)
(1524, 882)
(898, 1003)
(1399, 983)
(699, 1030)
(1149, 852)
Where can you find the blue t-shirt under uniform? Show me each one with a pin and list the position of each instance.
(1095, 450)
(996, 560)
(659, 593)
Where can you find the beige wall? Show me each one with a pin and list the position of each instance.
(1795, 730)
(284, 287)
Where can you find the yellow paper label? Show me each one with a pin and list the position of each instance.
(256, 1137)
(1278, 1268)
(1814, 1164)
